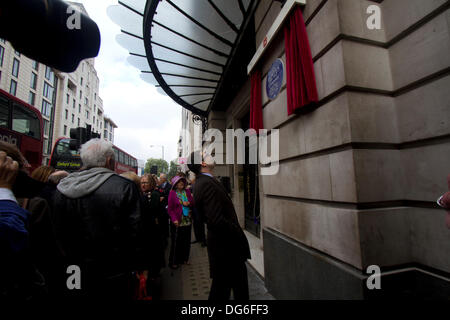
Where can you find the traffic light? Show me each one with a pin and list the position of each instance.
(95, 135)
(90, 134)
(49, 31)
(78, 136)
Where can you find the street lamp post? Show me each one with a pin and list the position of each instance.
(161, 147)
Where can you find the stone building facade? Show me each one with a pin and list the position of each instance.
(78, 101)
(108, 130)
(359, 176)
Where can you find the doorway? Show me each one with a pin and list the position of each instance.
(251, 188)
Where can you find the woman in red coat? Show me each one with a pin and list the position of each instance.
(179, 209)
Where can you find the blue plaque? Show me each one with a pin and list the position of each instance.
(274, 79)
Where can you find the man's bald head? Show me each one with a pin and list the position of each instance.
(57, 176)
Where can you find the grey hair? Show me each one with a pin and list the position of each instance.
(95, 152)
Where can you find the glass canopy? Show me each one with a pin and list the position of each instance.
(183, 47)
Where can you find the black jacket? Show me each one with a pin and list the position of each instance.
(165, 193)
(151, 217)
(100, 231)
(227, 243)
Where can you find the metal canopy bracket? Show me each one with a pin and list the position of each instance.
(273, 31)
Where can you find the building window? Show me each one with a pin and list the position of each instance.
(81, 81)
(67, 98)
(78, 121)
(49, 75)
(46, 127)
(95, 108)
(13, 87)
(73, 118)
(31, 98)
(48, 91)
(110, 137)
(45, 146)
(79, 108)
(93, 120)
(81, 94)
(35, 65)
(67, 114)
(33, 82)
(74, 103)
(95, 96)
(65, 130)
(46, 108)
(105, 134)
(86, 101)
(15, 68)
(2, 53)
(87, 114)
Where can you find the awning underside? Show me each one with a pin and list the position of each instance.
(188, 46)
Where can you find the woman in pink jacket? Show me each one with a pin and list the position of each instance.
(179, 209)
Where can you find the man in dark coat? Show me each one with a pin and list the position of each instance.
(97, 221)
(164, 189)
(228, 247)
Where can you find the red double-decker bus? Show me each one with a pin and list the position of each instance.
(124, 161)
(21, 124)
(63, 158)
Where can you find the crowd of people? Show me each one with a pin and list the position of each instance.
(112, 229)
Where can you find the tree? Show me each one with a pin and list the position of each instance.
(173, 170)
(163, 166)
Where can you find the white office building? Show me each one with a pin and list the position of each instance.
(31, 82)
(65, 100)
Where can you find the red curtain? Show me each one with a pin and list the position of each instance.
(256, 119)
(300, 78)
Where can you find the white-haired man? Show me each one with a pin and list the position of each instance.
(97, 220)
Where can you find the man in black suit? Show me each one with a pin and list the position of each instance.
(165, 186)
(164, 189)
(228, 248)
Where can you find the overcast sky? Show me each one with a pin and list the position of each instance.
(144, 117)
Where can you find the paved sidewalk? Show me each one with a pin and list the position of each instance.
(192, 282)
